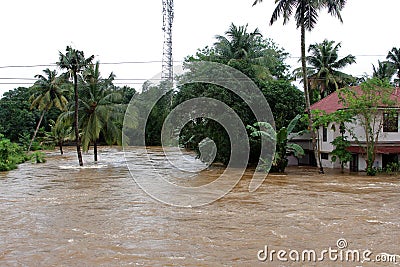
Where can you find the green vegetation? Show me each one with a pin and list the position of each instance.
(263, 62)
(80, 107)
(43, 116)
(324, 75)
(37, 157)
(392, 168)
(11, 154)
(47, 92)
(365, 108)
(16, 118)
(74, 62)
(340, 152)
(384, 71)
(60, 132)
(100, 109)
(306, 16)
(394, 58)
(282, 138)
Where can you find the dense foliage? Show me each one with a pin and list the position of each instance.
(263, 62)
(11, 154)
(16, 117)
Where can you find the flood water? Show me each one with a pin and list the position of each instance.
(55, 214)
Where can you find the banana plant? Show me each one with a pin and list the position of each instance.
(282, 138)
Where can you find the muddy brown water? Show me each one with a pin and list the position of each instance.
(55, 214)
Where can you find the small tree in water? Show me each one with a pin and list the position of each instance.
(282, 137)
(367, 106)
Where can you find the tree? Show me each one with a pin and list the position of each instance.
(99, 109)
(285, 101)
(339, 118)
(394, 58)
(384, 71)
(16, 117)
(282, 138)
(75, 62)
(366, 107)
(283, 97)
(238, 43)
(249, 52)
(47, 91)
(59, 133)
(340, 151)
(306, 16)
(324, 75)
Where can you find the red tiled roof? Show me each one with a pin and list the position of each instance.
(331, 103)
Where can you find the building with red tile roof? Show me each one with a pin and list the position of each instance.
(387, 149)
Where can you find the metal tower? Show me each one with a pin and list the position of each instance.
(167, 62)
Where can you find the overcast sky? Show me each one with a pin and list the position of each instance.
(129, 31)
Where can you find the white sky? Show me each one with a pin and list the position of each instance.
(130, 30)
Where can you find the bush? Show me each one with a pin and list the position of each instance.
(38, 157)
(392, 168)
(11, 154)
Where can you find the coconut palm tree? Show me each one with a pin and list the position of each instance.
(100, 109)
(394, 57)
(324, 75)
(384, 71)
(48, 91)
(60, 132)
(306, 16)
(238, 43)
(238, 48)
(75, 62)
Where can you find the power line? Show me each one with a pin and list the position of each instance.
(297, 57)
(145, 62)
(102, 63)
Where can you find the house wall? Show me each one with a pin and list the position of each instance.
(333, 132)
(383, 136)
(327, 163)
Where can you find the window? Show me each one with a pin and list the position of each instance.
(324, 134)
(390, 122)
(324, 156)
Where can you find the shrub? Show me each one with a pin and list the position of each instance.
(38, 157)
(11, 154)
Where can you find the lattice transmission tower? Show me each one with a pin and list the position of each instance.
(168, 19)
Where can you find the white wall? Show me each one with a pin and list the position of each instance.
(333, 132)
(383, 136)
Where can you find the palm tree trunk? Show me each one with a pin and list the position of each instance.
(36, 130)
(60, 145)
(306, 91)
(95, 150)
(76, 123)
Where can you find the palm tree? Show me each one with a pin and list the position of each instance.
(48, 91)
(306, 16)
(239, 44)
(239, 47)
(74, 61)
(324, 75)
(60, 132)
(394, 57)
(384, 71)
(100, 111)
